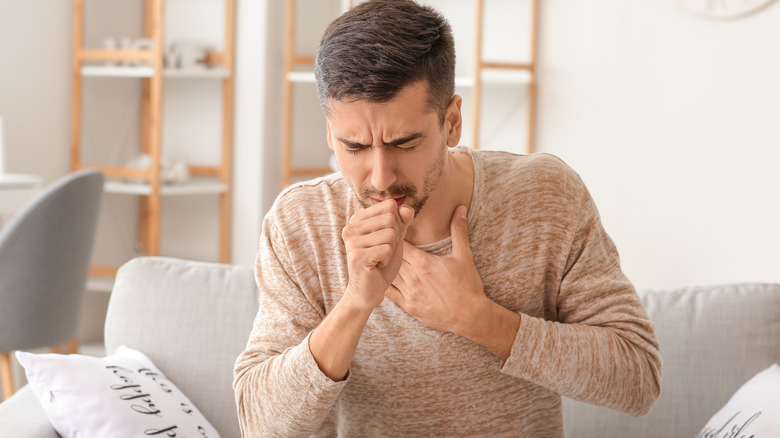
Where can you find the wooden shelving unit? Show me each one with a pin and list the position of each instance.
(485, 72)
(206, 179)
(482, 70)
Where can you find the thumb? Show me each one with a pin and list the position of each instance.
(459, 229)
(407, 216)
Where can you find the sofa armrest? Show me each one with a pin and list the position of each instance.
(22, 415)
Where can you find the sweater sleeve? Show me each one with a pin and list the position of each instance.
(602, 349)
(280, 390)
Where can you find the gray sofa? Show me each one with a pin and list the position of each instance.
(192, 319)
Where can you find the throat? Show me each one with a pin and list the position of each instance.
(433, 223)
(423, 234)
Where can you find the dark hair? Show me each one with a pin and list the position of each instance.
(374, 50)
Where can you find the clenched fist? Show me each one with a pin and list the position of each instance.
(374, 239)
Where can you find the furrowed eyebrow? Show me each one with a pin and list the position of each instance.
(398, 142)
(403, 140)
(351, 144)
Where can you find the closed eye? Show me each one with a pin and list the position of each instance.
(406, 148)
(406, 144)
(352, 147)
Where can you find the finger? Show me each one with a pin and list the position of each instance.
(375, 256)
(459, 229)
(388, 206)
(395, 295)
(400, 279)
(370, 225)
(407, 217)
(384, 236)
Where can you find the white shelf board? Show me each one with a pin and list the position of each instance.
(145, 71)
(100, 284)
(201, 186)
(19, 181)
(496, 77)
(489, 77)
(217, 72)
(141, 71)
(301, 76)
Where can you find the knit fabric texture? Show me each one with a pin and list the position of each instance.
(541, 251)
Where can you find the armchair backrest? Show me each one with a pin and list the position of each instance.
(45, 251)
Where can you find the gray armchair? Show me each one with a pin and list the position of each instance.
(45, 251)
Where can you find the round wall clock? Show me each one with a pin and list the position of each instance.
(721, 8)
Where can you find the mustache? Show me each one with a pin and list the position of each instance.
(394, 191)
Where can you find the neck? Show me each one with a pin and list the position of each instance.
(432, 224)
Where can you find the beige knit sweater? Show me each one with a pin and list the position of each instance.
(541, 251)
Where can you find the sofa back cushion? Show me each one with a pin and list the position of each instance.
(713, 339)
(192, 319)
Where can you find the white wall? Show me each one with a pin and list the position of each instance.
(35, 86)
(668, 118)
(673, 122)
(250, 116)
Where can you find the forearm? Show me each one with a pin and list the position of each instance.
(291, 394)
(613, 366)
(334, 342)
(284, 395)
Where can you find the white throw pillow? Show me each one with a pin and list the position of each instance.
(753, 411)
(123, 395)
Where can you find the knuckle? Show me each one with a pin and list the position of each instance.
(346, 232)
(385, 250)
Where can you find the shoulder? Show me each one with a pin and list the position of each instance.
(310, 194)
(539, 174)
(312, 203)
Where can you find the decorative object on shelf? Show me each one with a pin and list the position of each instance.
(170, 172)
(150, 52)
(129, 44)
(187, 55)
(721, 9)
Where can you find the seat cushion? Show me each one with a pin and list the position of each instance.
(23, 416)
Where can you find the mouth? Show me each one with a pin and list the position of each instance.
(399, 201)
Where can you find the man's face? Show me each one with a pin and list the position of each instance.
(396, 149)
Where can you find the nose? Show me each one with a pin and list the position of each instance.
(383, 169)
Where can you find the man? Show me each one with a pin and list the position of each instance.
(431, 290)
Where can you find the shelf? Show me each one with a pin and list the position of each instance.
(302, 77)
(216, 72)
(196, 186)
(20, 181)
(492, 77)
(145, 71)
(100, 284)
(496, 77)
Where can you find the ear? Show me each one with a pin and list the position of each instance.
(453, 121)
(330, 140)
